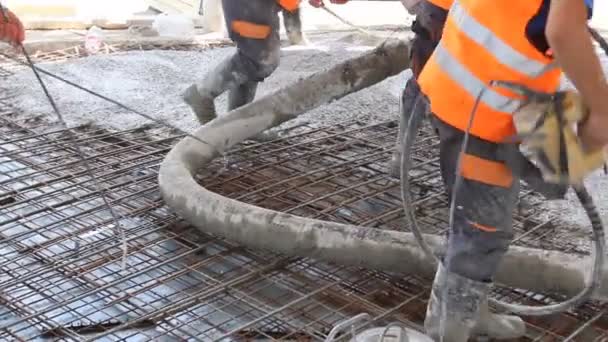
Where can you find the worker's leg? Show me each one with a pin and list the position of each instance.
(293, 26)
(253, 26)
(480, 236)
(427, 28)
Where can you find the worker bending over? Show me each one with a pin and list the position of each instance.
(11, 28)
(253, 25)
(506, 40)
(427, 28)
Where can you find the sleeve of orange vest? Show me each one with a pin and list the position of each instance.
(11, 28)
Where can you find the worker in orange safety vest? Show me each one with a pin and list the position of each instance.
(253, 25)
(482, 41)
(11, 28)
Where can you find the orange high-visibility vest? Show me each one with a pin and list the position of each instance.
(290, 5)
(445, 4)
(484, 41)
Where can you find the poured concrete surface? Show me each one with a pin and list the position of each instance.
(152, 81)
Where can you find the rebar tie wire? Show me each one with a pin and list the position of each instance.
(117, 225)
(37, 71)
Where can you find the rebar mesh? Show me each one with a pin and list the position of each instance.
(60, 255)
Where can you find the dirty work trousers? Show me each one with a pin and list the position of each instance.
(292, 20)
(253, 26)
(428, 28)
(484, 204)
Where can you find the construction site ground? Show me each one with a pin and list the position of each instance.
(64, 276)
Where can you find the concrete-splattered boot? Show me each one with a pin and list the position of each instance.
(293, 27)
(242, 95)
(411, 100)
(454, 307)
(498, 327)
(467, 312)
(201, 96)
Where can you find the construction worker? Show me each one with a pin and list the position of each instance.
(427, 28)
(254, 26)
(11, 28)
(509, 40)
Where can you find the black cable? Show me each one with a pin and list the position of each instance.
(81, 156)
(103, 97)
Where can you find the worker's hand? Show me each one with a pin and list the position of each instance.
(11, 29)
(594, 131)
(320, 3)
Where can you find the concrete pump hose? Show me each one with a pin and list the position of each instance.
(409, 136)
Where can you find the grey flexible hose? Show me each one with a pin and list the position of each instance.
(414, 122)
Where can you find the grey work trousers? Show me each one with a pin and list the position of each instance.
(253, 26)
(484, 203)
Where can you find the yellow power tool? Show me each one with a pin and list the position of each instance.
(546, 126)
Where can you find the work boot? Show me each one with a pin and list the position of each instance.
(411, 95)
(498, 327)
(201, 96)
(242, 95)
(467, 313)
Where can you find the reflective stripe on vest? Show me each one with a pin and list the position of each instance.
(445, 4)
(503, 52)
(472, 84)
(484, 41)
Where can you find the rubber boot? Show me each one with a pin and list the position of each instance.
(454, 307)
(201, 96)
(242, 95)
(411, 95)
(467, 314)
(498, 327)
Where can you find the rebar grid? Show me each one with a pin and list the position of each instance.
(60, 259)
(338, 174)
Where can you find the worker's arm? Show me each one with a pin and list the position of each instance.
(571, 43)
(11, 28)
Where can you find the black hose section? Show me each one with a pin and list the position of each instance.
(596, 273)
(409, 135)
(599, 39)
(414, 123)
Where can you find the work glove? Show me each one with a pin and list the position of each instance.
(546, 125)
(11, 29)
(320, 3)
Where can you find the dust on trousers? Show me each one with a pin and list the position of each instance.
(254, 26)
(482, 224)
